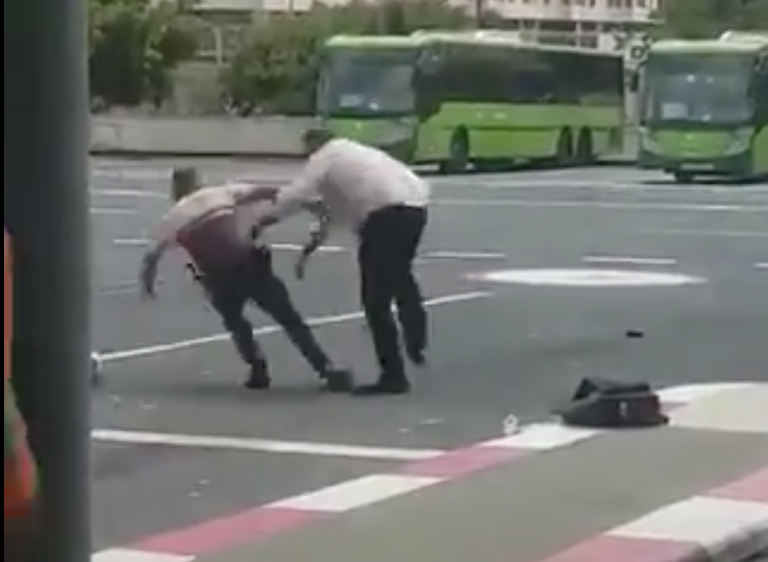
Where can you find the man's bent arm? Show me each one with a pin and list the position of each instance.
(149, 266)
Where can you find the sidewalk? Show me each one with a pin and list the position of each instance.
(532, 509)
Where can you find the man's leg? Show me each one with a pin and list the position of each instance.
(269, 292)
(412, 313)
(380, 271)
(229, 301)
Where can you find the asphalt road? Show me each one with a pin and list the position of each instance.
(498, 348)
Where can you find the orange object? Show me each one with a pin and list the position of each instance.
(19, 472)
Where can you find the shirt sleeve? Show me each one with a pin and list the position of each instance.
(304, 189)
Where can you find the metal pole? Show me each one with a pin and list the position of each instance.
(45, 197)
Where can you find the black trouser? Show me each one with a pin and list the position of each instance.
(252, 279)
(389, 240)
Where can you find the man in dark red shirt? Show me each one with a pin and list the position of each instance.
(234, 270)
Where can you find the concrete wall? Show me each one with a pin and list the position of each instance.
(277, 137)
(204, 136)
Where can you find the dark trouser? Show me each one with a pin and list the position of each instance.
(253, 279)
(389, 240)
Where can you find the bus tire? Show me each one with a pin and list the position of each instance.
(685, 178)
(458, 153)
(565, 148)
(585, 148)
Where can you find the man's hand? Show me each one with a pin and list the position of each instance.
(148, 274)
(300, 267)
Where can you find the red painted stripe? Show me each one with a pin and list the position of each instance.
(753, 488)
(227, 532)
(462, 462)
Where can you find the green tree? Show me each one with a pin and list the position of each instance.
(135, 46)
(274, 69)
(709, 18)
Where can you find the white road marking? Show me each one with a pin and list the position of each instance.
(136, 193)
(629, 260)
(706, 521)
(689, 394)
(107, 211)
(704, 232)
(543, 437)
(761, 266)
(151, 350)
(584, 278)
(122, 555)
(140, 242)
(262, 445)
(464, 255)
(357, 493)
(603, 205)
(300, 247)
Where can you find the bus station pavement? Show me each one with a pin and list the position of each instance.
(537, 279)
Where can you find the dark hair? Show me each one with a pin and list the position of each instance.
(184, 181)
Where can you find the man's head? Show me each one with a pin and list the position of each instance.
(316, 138)
(184, 182)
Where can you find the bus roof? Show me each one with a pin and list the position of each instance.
(487, 37)
(704, 46)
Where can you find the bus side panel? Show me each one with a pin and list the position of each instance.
(760, 151)
(507, 131)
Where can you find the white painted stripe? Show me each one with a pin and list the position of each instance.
(542, 437)
(263, 445)
(602, 205)
(300, 247)
(708, 522)
(136, 193)
(106, 211)
(120, 555)
(358, 493)
(761, 266)
(629, 260)
(140, 242)
(688, 394)
(711, 233)
(465, 255)
(139, 352)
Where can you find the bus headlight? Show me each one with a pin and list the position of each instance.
(740, 141)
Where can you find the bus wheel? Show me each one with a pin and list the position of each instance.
(585, 151)
(565, 148)
(684, 177)
(458, 154)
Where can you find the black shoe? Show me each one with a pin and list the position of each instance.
(338, 380)
(416, 356)
(384, 387)
(259, 378)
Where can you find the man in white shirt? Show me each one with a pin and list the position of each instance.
(234, 270)
(385, 204)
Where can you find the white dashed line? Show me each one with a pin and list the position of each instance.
(261, 445)
(104, 211)
(630, 260)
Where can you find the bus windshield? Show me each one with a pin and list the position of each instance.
(367, 82)
(707, 89)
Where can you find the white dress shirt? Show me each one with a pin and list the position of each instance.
(353, 181)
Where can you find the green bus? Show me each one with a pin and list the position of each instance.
(472, 99)
(704, 108)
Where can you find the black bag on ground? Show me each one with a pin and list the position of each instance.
(613, 404)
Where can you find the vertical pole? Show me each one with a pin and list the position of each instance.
(45, 198)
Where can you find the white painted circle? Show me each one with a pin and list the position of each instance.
(586, 278)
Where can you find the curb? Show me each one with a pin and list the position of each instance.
(728, 524)
(261, 522)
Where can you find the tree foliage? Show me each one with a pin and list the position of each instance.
(274, 68)
(134, 47)
(709, 18)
